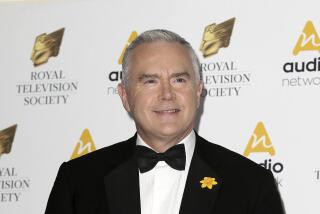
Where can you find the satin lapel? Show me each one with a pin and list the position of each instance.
(196, 199)
(122, 187)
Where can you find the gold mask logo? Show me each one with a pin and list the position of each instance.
(308, 41)
(132, 37)
(6, 139)
(84, 146)
(259, 142)
(46, 46)
(216, 36)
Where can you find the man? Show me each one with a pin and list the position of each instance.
(166, 168)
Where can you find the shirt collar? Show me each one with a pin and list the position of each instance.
(189, 143)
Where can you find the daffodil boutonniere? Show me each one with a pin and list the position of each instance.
(208, 182)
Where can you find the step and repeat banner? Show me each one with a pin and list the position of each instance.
(60, 63)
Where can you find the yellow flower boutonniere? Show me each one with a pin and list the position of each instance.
(208, 182)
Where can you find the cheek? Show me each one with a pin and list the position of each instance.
(140, 102)
(190, 96)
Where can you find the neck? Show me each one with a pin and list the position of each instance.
(162, 143)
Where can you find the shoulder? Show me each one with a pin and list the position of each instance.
(229, 162)
(247, 184)
(104, 159)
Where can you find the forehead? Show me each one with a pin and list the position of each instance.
(160, 55)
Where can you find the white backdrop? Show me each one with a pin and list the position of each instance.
(262, 42)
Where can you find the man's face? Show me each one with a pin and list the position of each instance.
(162, 94)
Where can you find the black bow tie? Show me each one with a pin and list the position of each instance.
(174, 157)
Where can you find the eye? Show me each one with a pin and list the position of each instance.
(150, 81)
(180, 80)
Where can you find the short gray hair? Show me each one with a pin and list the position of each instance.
(154, 36)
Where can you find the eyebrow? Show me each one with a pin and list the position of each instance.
(181, 74)
(147, 76)
(156, 76)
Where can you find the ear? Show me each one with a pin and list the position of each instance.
(123, 95)
(199, 89)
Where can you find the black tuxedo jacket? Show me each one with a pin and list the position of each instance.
(107, 182)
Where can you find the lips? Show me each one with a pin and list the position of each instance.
(167, 111)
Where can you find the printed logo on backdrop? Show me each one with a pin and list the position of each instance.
(222, 78)
(216, 37)
(49, 86)
(259, 142)
(304, 69)
(84, 146)
(46, 46)
(317, 175)
(114, 76)
(261, 147)
(308, 40)
(6, 139)
(12, 184)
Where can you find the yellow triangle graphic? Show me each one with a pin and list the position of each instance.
(308, 41)
(84, 146)
(259, 142)
(132, 37)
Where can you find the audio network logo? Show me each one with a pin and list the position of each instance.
(115, 76)
(46, 46)
(50, 86)
(308, 41)
(84, 146)
(221, 78)
(260, 142)
(132, 37)
(6, 139)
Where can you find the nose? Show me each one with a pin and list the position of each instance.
(167, 91)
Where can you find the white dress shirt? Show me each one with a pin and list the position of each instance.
(161, 188)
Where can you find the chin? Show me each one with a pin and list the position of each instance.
(171, 131)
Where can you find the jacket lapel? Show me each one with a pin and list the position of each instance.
(196, 199)
(122, 188)
(123, 193)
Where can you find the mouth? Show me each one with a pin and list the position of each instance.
(167, 111)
